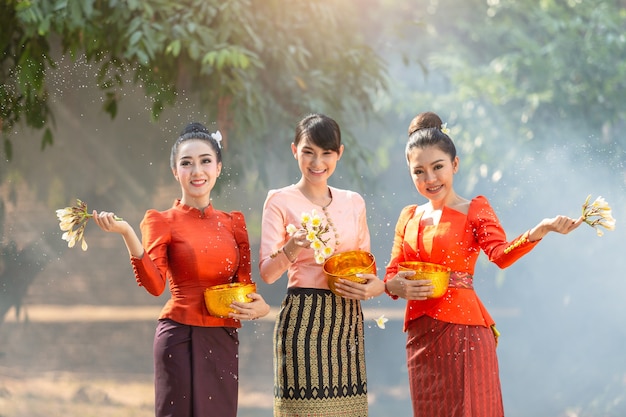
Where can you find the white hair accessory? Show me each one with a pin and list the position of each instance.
(444, 129)
(218, 138)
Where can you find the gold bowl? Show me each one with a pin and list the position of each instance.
(439, 275)
(219, 297)
(346, 265)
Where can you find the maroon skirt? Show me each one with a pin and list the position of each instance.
(453, 370)
(195, 370)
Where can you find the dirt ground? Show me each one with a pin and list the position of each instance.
(90, 362)
(96, 361)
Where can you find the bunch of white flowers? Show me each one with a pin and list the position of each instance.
(315, 228)
(598, 213)
(72, 220)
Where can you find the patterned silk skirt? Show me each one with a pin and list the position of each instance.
(453, 370)
(319, 356)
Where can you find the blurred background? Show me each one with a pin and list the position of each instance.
(94, 93)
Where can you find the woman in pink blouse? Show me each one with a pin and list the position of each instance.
(319, 352)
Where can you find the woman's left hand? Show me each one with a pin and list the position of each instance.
(357, 291)
(252, 310)
(558, 224)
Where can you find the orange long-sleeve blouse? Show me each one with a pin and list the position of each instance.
(193, 250)
(456, 243)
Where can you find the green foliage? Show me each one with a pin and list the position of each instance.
(549, 62)
(510, 75)
(247, 61)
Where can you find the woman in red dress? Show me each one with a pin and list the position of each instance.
(451, 340)
(193, 246)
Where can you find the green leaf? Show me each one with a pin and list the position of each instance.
(110, 104)
(222, 57)
(209, 58)
(173, 48)
(135, 37)
(47, 139)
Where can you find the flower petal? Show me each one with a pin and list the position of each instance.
(380, 322)
(291, 229)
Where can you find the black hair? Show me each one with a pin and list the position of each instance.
(425, 120)
(195, 131)
(425, 130)
(321, 130)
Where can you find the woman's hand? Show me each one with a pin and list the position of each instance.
(107, 222)
(409, 289)
(373, 287)
(558, 224)
(296, 244)
(252, 310)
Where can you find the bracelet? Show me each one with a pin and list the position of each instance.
(287, 256)
(275, 254)
(387, 290)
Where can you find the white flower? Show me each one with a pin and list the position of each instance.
(73, 220)
(316, 221)
(598, 213)
(311, 236)
(291, 229)
(313, 224)
(444, 128)
(319, 258)
(380, 322)
(218, 138)
(317, 245)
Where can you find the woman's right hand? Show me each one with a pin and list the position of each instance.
(109, 223)
(296, 243)
(106, 221)
(409, 289)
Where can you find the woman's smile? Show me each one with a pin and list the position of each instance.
(434, 189)
(317, 171)
(198, 183)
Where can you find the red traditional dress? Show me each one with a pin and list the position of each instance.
(451, 356)
(195, 354)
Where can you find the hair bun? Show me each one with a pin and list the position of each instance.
(425, 120)
(195, 127)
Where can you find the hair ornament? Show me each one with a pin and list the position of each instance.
(218, 138)
(445, 129)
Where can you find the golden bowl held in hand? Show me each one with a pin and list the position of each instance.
(346, 265)
(439, 275)
(219, 297)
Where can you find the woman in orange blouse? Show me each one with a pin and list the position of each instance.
(451, 341)
(193, 246)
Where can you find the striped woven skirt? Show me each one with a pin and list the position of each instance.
(453, 370)
(319, 356)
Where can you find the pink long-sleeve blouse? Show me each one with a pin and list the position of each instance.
(285, 206)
